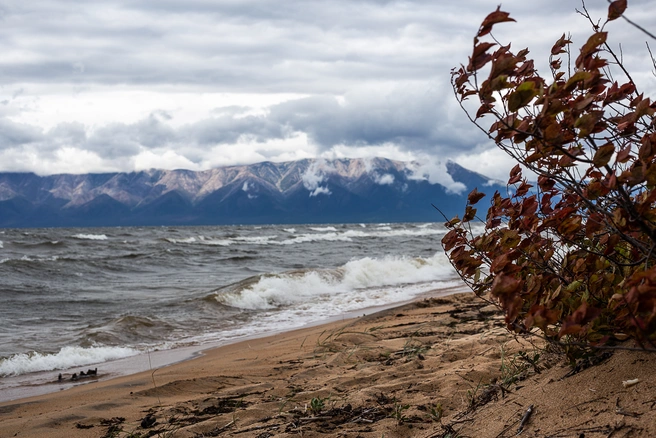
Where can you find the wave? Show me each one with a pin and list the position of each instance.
(323, 229)
(129, 329)
(90, 236)
(44, 244)
(187, 240)
(240, 258)
(27, 259)
(364, 281)
(329, 234)
(1, 244)
(67, 357)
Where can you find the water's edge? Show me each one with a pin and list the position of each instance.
(20, 388)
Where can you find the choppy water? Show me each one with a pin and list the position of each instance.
(77, 297)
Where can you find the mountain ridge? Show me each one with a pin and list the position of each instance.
(308, 190)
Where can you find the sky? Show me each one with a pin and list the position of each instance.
(126, 85)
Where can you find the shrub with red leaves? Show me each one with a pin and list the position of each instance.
(574, 253)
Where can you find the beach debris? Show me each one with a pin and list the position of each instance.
(620, 411)
(525, 418)
(148, 421)
(83, 426)
(630, 383)
(77, 376)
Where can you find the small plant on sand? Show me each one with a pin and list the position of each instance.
(413, 348)
(317, 404)
(398, 412)
(436, 412)
(573, 253)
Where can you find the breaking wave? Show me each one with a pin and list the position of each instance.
(323, 229)
(67, 357)
(363, 282)
(90, 236)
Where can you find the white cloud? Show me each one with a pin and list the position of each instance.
(434, 171)
(315, 175)
(386, 179)
(320, 191)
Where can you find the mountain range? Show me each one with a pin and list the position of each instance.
(304, 191)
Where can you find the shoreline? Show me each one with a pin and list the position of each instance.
(41, 383)
(439, 366)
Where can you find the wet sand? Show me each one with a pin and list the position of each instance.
(431, 368)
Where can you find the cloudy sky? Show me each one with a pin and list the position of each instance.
(122, 85)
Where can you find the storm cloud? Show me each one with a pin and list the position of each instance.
(121, 86)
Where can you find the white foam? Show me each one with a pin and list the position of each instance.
(67, 357)
(289, 230)
(322, 229)
(357, 282)
(218, 242)
(1, 244)
(304, 238)
(187, 240)
(90, 236)
(260, 240)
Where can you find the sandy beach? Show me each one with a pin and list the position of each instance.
(438, 367)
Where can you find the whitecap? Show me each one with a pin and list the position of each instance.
(304, 238)
(323, 229)
(187, 240)
(90, 236)
(359, 283)
(67, 357)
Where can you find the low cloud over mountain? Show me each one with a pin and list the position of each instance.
(305, 191)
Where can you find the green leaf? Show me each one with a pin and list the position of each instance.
(524, 93)
(603, 155)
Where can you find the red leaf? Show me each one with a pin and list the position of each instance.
(558, 47)
(495, 17)
(470, 214)
(480, 57)
(451, 239)
(616, 9)
(514, 179)
(484, 109)
(505, 285)
(475, 196)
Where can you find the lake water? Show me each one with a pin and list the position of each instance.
(73, 298)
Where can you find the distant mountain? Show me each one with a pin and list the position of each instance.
(305, 191)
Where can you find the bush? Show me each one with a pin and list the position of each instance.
(573, 254)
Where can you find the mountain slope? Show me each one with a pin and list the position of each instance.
(310, 191)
